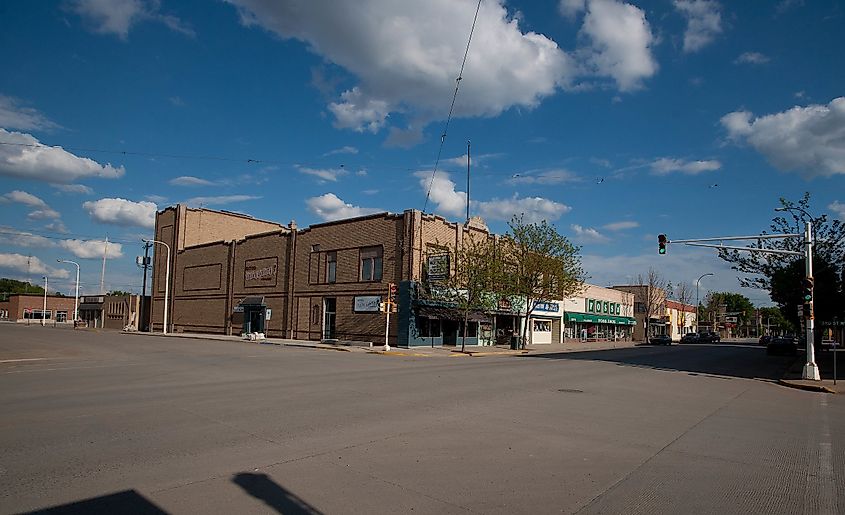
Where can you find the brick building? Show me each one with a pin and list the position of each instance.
(231, 273)
(29, 308)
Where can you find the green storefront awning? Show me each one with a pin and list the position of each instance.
(598, 319)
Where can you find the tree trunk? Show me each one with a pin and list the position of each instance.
(464, 337)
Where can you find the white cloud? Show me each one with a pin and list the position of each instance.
(809, 140)
(534, 209)
(158, 199)
(22, 197)
(73, 188)
(118, 16)
(442, 192)
(665, 166)
(44, 214)
(751, 58)
(621, 226)
(451, 202)
(342, 150)
(326, 174)
(572, 8)
(620, 43)
(30, 265)
(704, 22)
(477, 159)
(838, 208)
(120, 211)
(187, 180)
(330, 207)
(92, 249)
(588, 234)
(216, 201)
(14, 115)
(57, 226)
(28, 159)
(16, 238)
(546, 177)
(405, 56)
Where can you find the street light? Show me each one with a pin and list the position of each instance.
(44, 309)
(811, 370)
(697, 282)
(166, 280)
(76, 300)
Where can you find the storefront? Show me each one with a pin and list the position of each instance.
(599, 314)
(594, 327)
(545, 323)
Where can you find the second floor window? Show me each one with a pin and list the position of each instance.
(371, 264)
(331, 267)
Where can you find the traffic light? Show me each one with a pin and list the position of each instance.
(392, 290)
(661, 243)
(808, 289)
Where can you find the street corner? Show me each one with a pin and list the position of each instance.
(809, 386)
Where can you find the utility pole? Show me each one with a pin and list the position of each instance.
(103, 273)
(468, 162)
(145, 266)
(44, 309)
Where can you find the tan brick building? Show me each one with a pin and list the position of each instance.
(28, 308)
(231, 273)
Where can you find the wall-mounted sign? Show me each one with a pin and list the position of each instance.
(268, 313)
(238, 309)
(549, 307)
(366, 304)
(260, 272)
(438, 267)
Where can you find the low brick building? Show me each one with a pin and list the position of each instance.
(231, 273)
(29, 308)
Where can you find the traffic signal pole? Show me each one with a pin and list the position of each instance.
(811, 370)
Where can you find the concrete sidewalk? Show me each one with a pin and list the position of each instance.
(793, 376)
(471, 351)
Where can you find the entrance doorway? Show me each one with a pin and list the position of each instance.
(329, 318)
(450, 332)
(254, 319)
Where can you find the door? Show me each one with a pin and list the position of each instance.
(254, 319)
(329, 317)
(450, 332)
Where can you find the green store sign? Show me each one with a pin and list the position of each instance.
(599, 319)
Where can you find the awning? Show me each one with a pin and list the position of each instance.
(599, 319)
(445, 313)
(252, 301)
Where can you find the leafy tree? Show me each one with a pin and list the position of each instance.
(540, 264)
(737, 304)
(474, 278)
(773, 319)
(782, 275)
(118, 293)
(11, 286)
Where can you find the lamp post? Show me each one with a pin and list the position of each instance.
(697, 282)
(811, 370)
(166, 280)
(44, 309)
(76, 299)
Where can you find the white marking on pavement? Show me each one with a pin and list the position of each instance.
(21, 359)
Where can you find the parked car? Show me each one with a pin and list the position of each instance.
(661, 339)
(765, 339)
(691, 338)
(709, 337)
(782, 345)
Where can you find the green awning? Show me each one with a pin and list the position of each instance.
(599, 319)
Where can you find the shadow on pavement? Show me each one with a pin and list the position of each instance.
(273, 495)
(716, 360)
(128, 501)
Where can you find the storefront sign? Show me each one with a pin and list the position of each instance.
(261, 272)
(549, 307)
(238, 309)
(599, 319)
(438, 267)
(366, 304)
(268, 313)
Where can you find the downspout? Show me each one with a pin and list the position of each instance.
(291, 271)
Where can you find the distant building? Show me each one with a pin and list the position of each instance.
(681, 319)
(649, 310)
(29, 308)
(111, 311)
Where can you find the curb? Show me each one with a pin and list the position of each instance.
(199, 336)
(806, 387)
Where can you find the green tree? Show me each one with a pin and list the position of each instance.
(118, 293)
(540, 264)
(773, 319)
(11, 286)
(782, 275)
(736, 304)
(474, 278)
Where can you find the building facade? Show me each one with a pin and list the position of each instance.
(232, 274)
(111, 311)
(29, 308)
(599, 314)
(681, 319)
(649, 310)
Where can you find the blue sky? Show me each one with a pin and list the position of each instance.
(615, 121)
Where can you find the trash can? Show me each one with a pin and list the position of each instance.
(514, 342)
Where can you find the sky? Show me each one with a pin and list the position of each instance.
(614, 121)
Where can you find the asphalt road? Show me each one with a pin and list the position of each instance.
(105, 422)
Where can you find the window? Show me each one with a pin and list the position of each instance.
(35, 314)
(428, 327)
(331, 267)
(61, 316)
(639, 307)
(371, 264)
(315, 315)
(315, 247)
(542, 326)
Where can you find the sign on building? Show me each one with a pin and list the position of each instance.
(260, 272)
(549, 307)
(438, 267)
(366, 304)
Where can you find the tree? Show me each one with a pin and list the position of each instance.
(782, 275)
(472, 283)
(772, 318)
(651, 295)
(11, 286)
(737, 304)
(684, 294)
(539, 264)
(118, 293)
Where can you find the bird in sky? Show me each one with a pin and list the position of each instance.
(713, 186)
(600, 180)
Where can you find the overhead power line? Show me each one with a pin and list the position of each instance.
(451, 107)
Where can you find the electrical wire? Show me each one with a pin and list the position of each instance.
(451, 108)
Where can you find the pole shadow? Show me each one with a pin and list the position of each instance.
(273, 495)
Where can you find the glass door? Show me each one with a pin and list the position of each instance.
(329, 315)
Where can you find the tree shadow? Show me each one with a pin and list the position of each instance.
(126, 502)
(718, 360)
(273, 495)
